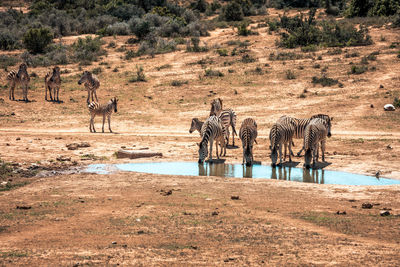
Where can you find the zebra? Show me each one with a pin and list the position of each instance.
(20, 77)
(280, 134)
(300, 126)
(248, 135)
(91, 84)
(210, 131)
(315, 133)
(227, 116)
(196, 125)
(52, 81)
(105, 110)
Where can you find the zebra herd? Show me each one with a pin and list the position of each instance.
(52, 84)
(313, 131)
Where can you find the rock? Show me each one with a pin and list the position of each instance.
(389, 107)
(134, 154)
(384, 213)
(12, 113)
(140, 232)
(214, 213)
(389, 147)
(63, 158)
(341, 213)
(75, 146)
(114, 242)
(23, 207)
(166, 193)
(18, 138)
(372, 106)
(367, 206)
(235, 197)
(381, 86)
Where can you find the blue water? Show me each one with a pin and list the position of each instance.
(240, 171)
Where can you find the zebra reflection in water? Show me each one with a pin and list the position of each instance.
(224, 170)
(309, 175)
(247, 171)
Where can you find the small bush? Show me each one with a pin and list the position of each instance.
(195, 47)
(246, 58)
(129, 54)
(316, 66)
(213, 73)
(112, 44)
(6, 61)
(358, 69)
(178, 83)
(222, 52)
(324, 81)
(37, 39)
(88, 49)
(396, 102)
(242, 29)
(165, 66)
(140, 76)
(354, 54)
(373, 55)
(232, 12)
(290, 75)
(285, 56)
(309, 48)
(97, 70)
(8, 41)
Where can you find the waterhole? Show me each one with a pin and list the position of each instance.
(240, 171)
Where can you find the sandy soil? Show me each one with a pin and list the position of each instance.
(74, 219)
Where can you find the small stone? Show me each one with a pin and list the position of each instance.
(235, 197)
(214, 213)
(18, 138)
(389, 107)
(23, 207)
(12, 114)
(114, 242)
(140, 232)
(381, 86)
(372, 106)
(366, 206)
(385, 213)
(389, 147)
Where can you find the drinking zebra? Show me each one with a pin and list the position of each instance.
(210, 131)
(20, 77)
(300, 126)
(91, 84)
(248, 135)
(104, 110)
(196, 125)
(280, 134)
(227, 116)
(315, 133)
(52, 81)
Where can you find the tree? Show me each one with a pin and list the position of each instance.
(233, 12)
(37, 39)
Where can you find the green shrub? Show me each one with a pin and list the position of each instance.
(195, 47)
(37, 39)
(324, 81)
(242, 29)
(6, 61)
(88, 49)
(97, 70)
(8, 41)
(222, 52)
(246, 58)
(358, 69)
(129, 54)
(178, 83)
(290, 75)
(139, 76)
(309, 48)
(232, 12)
(396, 102)
(213, 73)
(384, 8)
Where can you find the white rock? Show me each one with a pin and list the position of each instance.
(389, 107)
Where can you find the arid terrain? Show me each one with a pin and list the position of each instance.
(145, 219)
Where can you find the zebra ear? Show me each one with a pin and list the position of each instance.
(331, 118)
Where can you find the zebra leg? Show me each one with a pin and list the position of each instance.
(58, 92)
(223, 146)
(109, 124)
(91, 124)
(12, 91)
(51, 96)
(323, 150)
(290, 150)
(104, 120)
(26, 93)
(45, 90)
(95, 94)
(301, 150)
(243, 155)
(210, 156)
(88, 96)
(280, 155)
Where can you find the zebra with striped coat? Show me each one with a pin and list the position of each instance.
(105, 110)
(248, 135)
(210, 131)
(227, 116)
(280, 134)
(300, 126)
(52, 81)
(196, 125)
(91, 84)
(315, 134)
(20, 77)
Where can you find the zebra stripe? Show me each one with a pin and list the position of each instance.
(91, 84)
(19, 78)
(210, 131)
(216, 106)
(300, 126)
(105, 110)
(248, 135)
(316, 132)
(280, 134)
(52, 81)
(196, 125)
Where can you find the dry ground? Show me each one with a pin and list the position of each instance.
(75, 218)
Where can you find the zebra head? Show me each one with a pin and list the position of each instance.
(56, 71)
(114, 102)
(308, 158)
(274, 156)
(248, 155)
(85, 77)
(203, 152)
(22, 70)
(193, 125)
(216, 106)
(327, 122)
